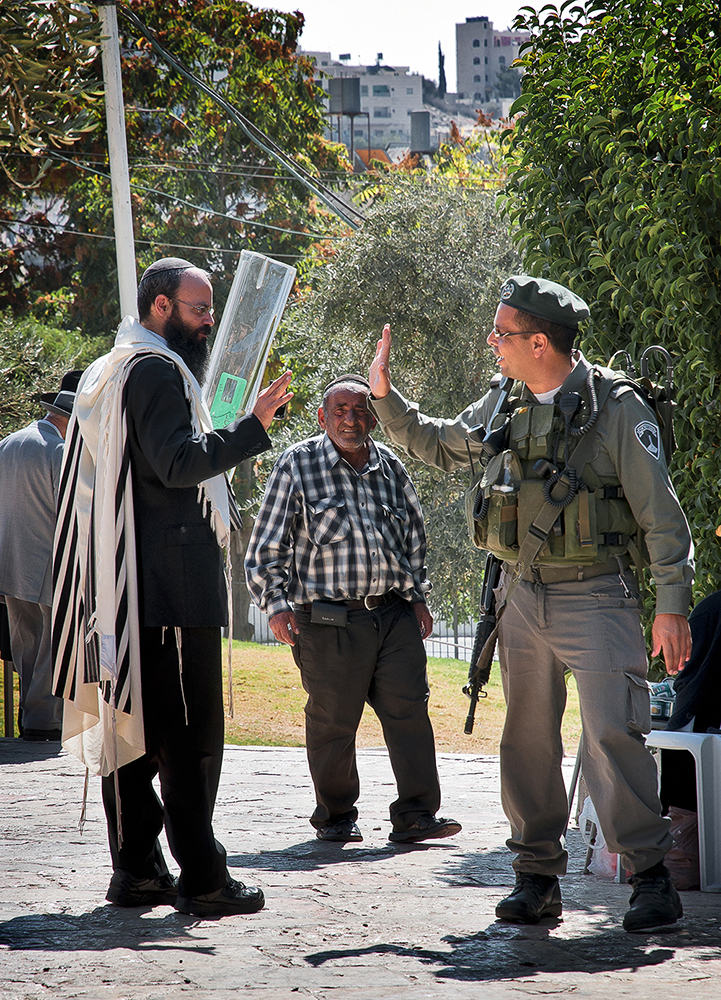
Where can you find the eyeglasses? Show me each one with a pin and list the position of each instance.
(512, 333)
(198, 310)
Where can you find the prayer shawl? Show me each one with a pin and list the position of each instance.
(96, 621)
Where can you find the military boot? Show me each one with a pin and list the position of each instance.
(535, 896)
(654, 901)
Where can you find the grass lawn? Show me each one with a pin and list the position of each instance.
(269, 698)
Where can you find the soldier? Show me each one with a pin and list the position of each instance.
(576, 604)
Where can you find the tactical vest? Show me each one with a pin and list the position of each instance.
(595, 526)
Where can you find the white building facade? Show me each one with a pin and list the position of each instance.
(388, 94)
(481, 54)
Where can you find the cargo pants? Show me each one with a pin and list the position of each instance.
(591, 627)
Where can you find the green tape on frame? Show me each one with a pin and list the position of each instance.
(227, 399)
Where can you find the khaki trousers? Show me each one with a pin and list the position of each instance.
(592, 628)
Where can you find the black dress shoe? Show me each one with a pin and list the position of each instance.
(654, 901)
(534, 897)
(127, 890)
(232, 898)
(344, 831)
(426, 828)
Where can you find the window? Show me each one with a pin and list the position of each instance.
(502, 60)
(381, 112)
(476, 61)
(381, 90)
(409, 90)
(364, 90)
(476, 78)
(477, 97)
(485, 42)
(486, 60)
(378, 131)
(486, 77)
(476, 43)
(324, 64)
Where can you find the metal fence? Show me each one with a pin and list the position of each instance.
(447, 642)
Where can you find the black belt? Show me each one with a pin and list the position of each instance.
(369, 603)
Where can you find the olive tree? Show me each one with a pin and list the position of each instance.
(429, 260)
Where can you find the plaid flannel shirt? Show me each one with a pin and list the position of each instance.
(327, 532)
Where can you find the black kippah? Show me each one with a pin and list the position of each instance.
(348, 378)
(167, 264)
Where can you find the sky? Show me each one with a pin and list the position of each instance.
(407, 32)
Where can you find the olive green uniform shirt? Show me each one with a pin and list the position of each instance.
(624, 453)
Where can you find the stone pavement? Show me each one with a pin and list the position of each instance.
(368, 921)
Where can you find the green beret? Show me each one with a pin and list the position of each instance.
(544, 299)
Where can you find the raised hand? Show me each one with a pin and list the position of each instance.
(272, 398)
(380, 376)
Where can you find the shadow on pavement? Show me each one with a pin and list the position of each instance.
(19, 751)
(312, 855)
(106, 928)
(506, 952)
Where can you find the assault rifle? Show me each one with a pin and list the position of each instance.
(478, 679)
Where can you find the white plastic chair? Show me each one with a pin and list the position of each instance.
(706, 750)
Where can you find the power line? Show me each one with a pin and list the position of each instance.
(266, 171)
(199, 208)
(349, 214)
(102, 236)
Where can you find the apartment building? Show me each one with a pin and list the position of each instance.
(388, 95)
(481, 54)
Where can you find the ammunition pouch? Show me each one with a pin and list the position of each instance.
(508, 494)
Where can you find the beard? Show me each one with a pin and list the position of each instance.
(187, 343)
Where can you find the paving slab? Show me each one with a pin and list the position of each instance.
(368, 921)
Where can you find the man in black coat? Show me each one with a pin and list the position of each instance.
(174, 460)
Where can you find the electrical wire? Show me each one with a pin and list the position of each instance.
(349, 215)
(253, 224)
(102, 236)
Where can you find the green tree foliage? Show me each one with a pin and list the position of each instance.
(615, 189)
(429, 260)
(33, 359)
(46, 85)
(200, 189)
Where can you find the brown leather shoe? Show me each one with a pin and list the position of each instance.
(343, 832)
(426, 828)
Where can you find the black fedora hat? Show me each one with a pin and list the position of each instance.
(61, 402)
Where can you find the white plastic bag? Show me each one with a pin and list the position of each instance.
(602, 862)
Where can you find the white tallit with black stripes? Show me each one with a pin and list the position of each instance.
(95, 593)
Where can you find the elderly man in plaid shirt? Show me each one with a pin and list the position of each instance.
(336, 561)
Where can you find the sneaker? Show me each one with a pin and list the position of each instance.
(654, 901)
(231, 898)
(426, 827)
(534, 897)
(127, 890)
(342, 832)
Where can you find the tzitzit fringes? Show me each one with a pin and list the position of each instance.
(179, 646)
(84, 804)
(229, 588)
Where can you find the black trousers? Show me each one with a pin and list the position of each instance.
(378, 658)
(186, 753)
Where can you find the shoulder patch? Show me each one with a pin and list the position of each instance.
(647, 435)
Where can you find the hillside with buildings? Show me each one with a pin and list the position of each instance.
(390, 109)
